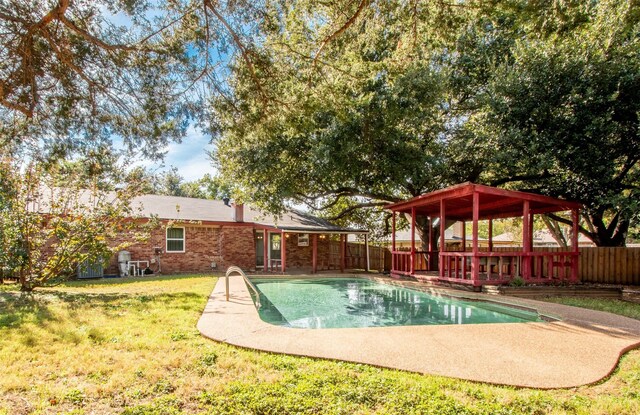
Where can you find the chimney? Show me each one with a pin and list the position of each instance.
(238, 212)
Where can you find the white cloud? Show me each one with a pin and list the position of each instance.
(190, 157)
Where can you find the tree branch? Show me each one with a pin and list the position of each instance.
(92, 39)
(523, 177)
(581, 229)
(356, 207)
(344, 27)
(243, 50)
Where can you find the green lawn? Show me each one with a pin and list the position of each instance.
(624, 308)
(114, 347)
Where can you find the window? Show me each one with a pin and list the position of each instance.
(175, 239)
(303, 239)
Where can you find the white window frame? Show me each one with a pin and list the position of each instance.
(183, 239)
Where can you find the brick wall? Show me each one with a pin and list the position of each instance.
(225, 245)
(300, 257)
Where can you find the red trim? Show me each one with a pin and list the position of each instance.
(342, 253)
(314, 253)
(442, 229)
(283, 246)
(466, 189)
(475, 261)
(265, 249)
(490, 235)
(526, 238)
(413, 240)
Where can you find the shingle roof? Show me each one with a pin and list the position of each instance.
(186, 208)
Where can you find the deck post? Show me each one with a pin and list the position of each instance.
(314, 253)
(526, 241)
(475, 262)
(464, 236)
(342, 252)
(575, 259)
(490, 235)
(366, 253)
(442, 243)
(430, 240)
(393, 240)
(283, 256)
(265, 246)
(413, 241)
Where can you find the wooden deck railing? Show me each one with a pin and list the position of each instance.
(596, 265)
(502, 267)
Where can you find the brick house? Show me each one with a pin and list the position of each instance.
(201, 235)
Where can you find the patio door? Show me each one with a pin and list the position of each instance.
(259, 249)
(275, 246)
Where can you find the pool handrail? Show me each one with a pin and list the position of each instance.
(237, 270)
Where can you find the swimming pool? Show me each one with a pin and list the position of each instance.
(360, 302)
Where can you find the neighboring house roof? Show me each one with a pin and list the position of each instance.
(186, 208)
(541, 237)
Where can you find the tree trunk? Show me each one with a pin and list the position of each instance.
(612, 235)
(423, 224)
(556, 231)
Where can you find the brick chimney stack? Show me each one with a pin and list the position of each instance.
(238, 212)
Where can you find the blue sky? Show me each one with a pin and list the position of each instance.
(189, 157)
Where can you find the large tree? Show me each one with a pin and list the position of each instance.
(79, 74)
(383, 101)
(361, 118)
(564, 113)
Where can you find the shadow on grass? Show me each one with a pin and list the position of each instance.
(132, 280)
(17, 308)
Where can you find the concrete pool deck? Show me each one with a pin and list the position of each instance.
(583, 347)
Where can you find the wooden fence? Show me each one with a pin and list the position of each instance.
(597, 265)
(355, 257)
(601, 265)
(610, 265)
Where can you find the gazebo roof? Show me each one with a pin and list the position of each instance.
(494, 203)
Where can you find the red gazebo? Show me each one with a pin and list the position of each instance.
(474, 202)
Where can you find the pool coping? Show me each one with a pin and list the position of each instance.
(581, 347)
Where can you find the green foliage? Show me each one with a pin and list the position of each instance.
(392, 101)
(517, 282)
(57, 217)
(171, 183)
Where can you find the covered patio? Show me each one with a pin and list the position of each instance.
(309, 249)
(473, 202)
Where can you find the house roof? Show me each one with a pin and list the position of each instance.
(205, 210)
(186, 208)
(493, 202)
(541, 237)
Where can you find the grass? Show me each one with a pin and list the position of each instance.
(624, 308)
(131, 347)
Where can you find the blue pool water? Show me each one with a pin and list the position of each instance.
(348, 302)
